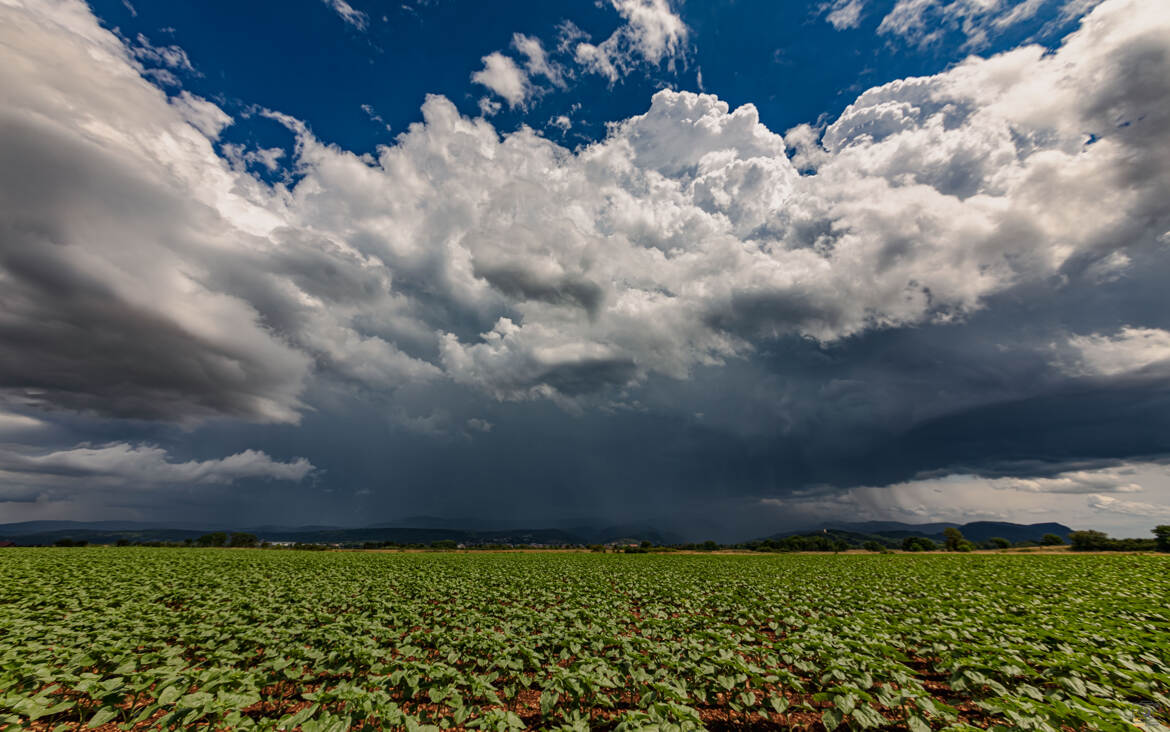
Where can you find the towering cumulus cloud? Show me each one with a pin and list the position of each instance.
(142, 274)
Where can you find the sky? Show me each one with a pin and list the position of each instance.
(724, 268)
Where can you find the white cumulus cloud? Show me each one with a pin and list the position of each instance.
(514, 83)
(501, 74)
(522, 269)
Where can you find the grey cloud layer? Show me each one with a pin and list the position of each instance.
(120, 467)
(146, 276)
(1086, 498)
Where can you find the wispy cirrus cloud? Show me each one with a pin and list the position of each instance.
(652, 33)
(349, 14)
(923, 22)
(843, 14)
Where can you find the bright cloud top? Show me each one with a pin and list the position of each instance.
(136, 254)
(1131, 350)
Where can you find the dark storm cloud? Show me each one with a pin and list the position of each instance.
(765, 315)
(519, 283)
(589, 376)
(997, 396)
(68, 336)
(144, 275)
(1090, 422)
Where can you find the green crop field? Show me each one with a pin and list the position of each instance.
(121, 638)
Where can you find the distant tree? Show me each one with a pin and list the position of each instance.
(1051, 540)
(646, 544)
(240, 538)
(122, 542)
(300, 546)
(998, 542)
(445, 544)
(215, 538)
(872, 546)
(918, 544)
(953, 539)
(708, 546)
(1162, 534)
(1084, 541)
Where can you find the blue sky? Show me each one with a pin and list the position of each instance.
(721, 267)
(309, 62)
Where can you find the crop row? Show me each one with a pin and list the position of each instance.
(238, 639)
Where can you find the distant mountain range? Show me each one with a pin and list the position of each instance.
(31, 533)
(976, 531)
(427, 530)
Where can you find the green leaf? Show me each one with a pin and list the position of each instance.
(867, 717)
(295, 720)
(917, 724)
(101, 716)
(846, 703)
(548, 702)
(169, 695)
(1074, 685)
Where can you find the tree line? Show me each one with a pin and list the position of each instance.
(1099, 541)
(953, 541)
